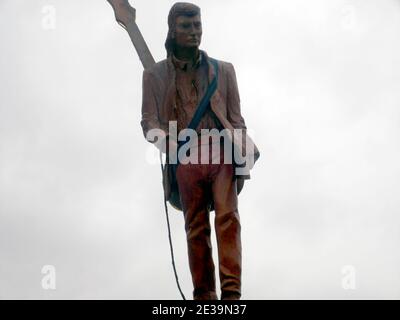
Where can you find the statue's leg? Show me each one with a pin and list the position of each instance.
(227, 225)
(194, 198)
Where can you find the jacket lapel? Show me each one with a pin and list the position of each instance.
(215, 99)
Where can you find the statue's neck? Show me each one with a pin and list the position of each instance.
(187, 54)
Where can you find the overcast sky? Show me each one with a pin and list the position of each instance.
(320, 87)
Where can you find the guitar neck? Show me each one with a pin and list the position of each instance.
(140, 45)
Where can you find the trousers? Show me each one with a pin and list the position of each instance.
(199, 183)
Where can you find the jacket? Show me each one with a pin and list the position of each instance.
(159, 102)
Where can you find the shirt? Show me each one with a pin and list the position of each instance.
(191, 85)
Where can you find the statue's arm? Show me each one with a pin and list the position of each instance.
(234, 114)
(233, 106)
(150, 121)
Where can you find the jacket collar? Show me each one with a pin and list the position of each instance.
(186, 65)
(203, 56)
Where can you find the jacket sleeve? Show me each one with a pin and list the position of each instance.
(150, 121)
(233, 100)
(235, 117)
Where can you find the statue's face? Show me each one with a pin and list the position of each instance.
(188, 31)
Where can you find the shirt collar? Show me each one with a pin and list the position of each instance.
(186, 65)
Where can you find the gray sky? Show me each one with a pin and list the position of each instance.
(319, 84)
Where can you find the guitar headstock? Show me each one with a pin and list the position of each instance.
(124, 12)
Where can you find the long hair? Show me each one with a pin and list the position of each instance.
(178, 9)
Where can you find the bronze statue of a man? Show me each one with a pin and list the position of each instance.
(172, 90)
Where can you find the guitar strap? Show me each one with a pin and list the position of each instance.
(202, 107)
(204, 103)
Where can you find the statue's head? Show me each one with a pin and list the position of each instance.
(184, 27)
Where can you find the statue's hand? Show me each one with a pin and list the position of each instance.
(124, 13)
